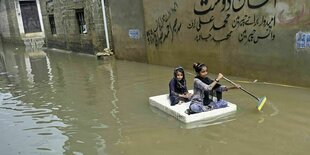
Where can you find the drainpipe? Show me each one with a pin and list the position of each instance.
(105, 24)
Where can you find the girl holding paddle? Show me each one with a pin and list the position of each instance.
(204, 87)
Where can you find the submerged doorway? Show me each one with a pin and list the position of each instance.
(30, 16)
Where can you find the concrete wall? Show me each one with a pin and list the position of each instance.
(68, 36)
(254, 39)
(4, 24)
(127, 22)
(9, 27)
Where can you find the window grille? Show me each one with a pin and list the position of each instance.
(81, 21)
(52, 24)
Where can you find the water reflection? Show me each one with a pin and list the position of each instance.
(115, 110)
(37, 123)
(37, 67)
(2, 63)
(26, 129)
(60, 103)
(49, 105)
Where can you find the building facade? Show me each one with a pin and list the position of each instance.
(268, 40)
(21, 22)
(75, 25)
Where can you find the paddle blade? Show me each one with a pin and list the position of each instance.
(261, 103)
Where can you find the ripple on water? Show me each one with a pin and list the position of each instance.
(36, 126)
(45, 134)
(44, 149)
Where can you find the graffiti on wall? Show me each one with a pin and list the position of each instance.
(218, 20)
(167, 25)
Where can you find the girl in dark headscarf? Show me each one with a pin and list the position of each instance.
(177, 87)
(203, 88)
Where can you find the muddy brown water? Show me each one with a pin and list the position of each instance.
(63, 103)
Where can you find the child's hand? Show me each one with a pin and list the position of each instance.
(189, 95)
(182, 95)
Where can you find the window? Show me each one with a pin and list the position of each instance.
(81, 21)
(52, 24)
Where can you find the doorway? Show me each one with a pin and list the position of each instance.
(30, 16)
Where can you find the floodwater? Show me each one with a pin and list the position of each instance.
(63, 103)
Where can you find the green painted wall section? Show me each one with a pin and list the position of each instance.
(254, 39)
(128, 16)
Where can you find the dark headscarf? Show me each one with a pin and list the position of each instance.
(180, 85)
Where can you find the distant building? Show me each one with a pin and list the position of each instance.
(75, 25)
(21, 22)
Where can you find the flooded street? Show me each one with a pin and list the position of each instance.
(63, 103)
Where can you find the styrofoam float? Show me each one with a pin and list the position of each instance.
(178, 111)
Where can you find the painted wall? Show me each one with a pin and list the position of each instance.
(254, 39)
(127, 22)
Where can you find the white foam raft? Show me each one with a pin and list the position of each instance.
(162, 102)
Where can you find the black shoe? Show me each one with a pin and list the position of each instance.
(189, 112)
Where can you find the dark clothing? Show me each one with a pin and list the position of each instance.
(175, 88)
(215, 91)
(200, 100)
(174, 99)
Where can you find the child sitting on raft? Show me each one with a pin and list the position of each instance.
(203, 87)
(177, 87)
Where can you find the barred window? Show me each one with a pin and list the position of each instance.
(81, 21)
(52, 24)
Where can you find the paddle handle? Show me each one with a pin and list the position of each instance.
(241, 88)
